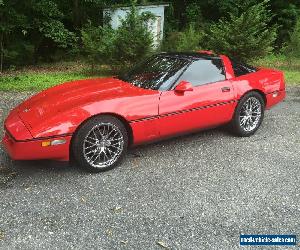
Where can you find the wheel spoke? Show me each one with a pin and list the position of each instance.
(104, 130)
(115, 144)
(96, 137)
(94, 145)
(106, 156)
(94, 155)
(98, 129)
(110, 152)
(98, 155)
(108, 135)
(90, 140)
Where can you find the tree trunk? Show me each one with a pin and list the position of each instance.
(37, 40)
(179, 10)
(76, 14)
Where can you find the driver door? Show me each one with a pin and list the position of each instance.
(210, 103)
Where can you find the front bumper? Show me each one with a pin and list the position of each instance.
(32, 149)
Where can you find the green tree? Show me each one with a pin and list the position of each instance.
(31, 29)
(292, 48)
(38, 30)
(133, 39)
(285, 16)
(11, 23)
(247, 35)
(98, 43)
(47, 26)
(181, 13)
(119, 48)
(183, 41)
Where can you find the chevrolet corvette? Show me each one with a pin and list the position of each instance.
(94, 121)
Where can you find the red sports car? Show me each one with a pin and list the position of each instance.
(94, 121)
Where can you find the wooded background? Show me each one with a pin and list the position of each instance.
(35, 31)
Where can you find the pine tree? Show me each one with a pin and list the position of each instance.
(246, 36)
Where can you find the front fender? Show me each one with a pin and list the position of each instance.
(64, 123)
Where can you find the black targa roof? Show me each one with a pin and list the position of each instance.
(190, 55)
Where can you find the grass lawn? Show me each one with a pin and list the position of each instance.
(45, 76)
(39, 81)
(291, 68)
(292, 77)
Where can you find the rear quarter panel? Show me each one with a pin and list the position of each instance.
(267, 81)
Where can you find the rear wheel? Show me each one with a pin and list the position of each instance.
(100, 143)
(248, 115)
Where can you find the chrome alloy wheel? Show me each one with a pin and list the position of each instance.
(250, 114)
(103, 145)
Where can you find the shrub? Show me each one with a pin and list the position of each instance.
(120, 48)
(245, 36)
(133, 39)
(292, 48)
(187, 40)
(98, 44)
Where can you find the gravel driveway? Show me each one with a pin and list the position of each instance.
(195, 192)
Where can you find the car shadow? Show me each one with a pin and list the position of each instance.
(218, 132)
(10, 170)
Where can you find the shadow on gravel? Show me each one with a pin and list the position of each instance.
(205, 135)
(24, 170)
(48, 169)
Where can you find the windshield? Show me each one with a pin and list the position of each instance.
(157, 73)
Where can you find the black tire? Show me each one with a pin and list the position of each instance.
(85, 144)
(236, 126)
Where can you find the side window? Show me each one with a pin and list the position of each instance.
(204, 71)
(241, 69)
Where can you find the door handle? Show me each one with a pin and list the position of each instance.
(226, 89)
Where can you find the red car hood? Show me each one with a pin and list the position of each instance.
(69, 95)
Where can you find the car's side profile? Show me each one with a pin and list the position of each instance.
(94, 121)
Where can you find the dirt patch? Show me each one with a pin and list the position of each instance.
(48, 68)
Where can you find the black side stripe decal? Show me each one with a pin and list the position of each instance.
(183, 111)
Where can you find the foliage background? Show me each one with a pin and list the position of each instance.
(35, 32)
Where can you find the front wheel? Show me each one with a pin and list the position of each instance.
(100, 143)
(248, 115)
